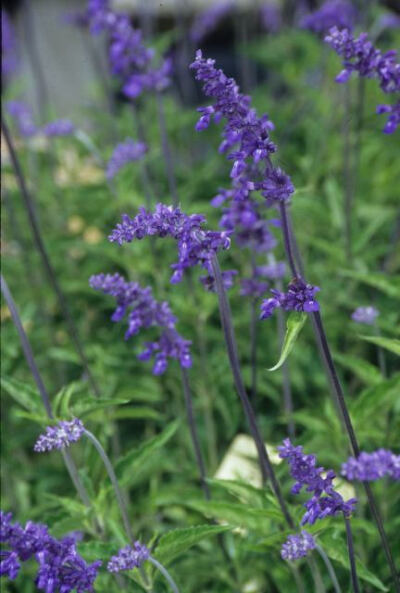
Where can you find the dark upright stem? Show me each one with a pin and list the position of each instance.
(193, 433)
(267, 470)
(287, 240)
(253, 347)
(45, 258)
(37, 70)
(326, 355)
(352, 559)
(347, 175)
(148, 191)
(168, 158)
(27, 350)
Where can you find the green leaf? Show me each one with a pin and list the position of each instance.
(364, 370)
(24, 394)
(237, 515)
(336, 549)
(294, 325)
(130, 464)
(377, 398)
(388, 285)
(177, 542)
(387, 343)
(89, 405)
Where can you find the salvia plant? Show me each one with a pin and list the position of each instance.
(235, 428)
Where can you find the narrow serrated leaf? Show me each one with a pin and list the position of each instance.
(177, 542)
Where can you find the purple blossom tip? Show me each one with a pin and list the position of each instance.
(143, 312)
(299, 297)
(125, 152)
(365, 315)
(369, 467)
(63, 434)
(128, 558)
(297, 546)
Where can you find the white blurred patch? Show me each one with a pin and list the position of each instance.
(241, 462)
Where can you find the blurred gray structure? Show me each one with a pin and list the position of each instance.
(64, 54)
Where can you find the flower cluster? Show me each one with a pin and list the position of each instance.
(59, 127)
(360, 55)
(253, 287)
(325, 501)
(297, 546)
(128, 558)
(63, 434)
(61, 568)
(339, 13)
(9, 59)
(196, 246)
(299, 297)
(124, 153)
(242, 217)
(368, 467)
(207, 21)
(365, 315)
(144, 312)
(129, 58)
(23, 117)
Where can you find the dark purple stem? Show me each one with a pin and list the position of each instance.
(168, 158)
(148, 191)
(253, 347)
(27, 350)
(45, 258)
(193, 433)
(352, 559)
(347, 175)
(287, 240)
(267, 470)
(323, 345)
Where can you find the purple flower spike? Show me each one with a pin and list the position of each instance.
(60, 127)
(60, 568)
(359, 55)
(325, 500)
(365, 315)
(195, 245)
(369, 467)
(339, 13)
(128, 558)
(297, 546)
(60, 436)
(126, 152)
(207, 21)
(145, 312)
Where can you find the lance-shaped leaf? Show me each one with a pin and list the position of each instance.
(294, 324)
